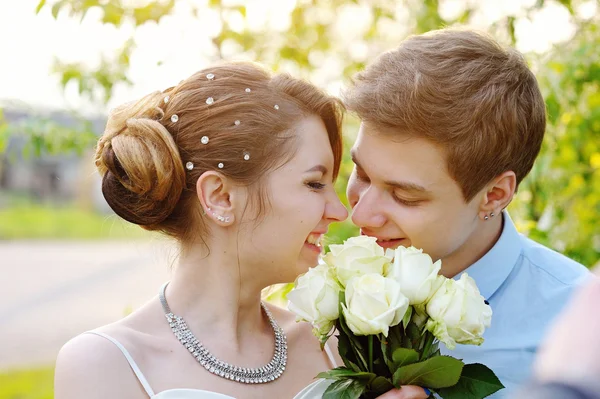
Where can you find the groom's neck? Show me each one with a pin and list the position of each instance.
(479, 243)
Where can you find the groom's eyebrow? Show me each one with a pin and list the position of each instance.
(405, 186)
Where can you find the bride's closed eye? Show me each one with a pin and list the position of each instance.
(315, 185)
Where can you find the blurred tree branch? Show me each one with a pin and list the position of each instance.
(310, 35)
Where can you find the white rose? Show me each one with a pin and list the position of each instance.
(315, 298)
(356, 257)
(416, 273)
(458, 313)
(373, 304)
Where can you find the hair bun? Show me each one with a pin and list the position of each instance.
(142, 172)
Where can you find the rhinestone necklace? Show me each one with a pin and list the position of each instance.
(261, 375)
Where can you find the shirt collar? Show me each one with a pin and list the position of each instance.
(493, 268)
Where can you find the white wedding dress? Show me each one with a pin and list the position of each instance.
(312, 391)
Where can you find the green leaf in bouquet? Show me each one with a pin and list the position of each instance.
(347, 352)
(345, 389)
(355, 342)
(403, 357)
(397, 338)
(380, 385)
(407, 316)
(406, 342)
(386, 352)
(429, 345)
(353, 348)
(414, 334)
(435, 352)
(380, 367)
(363, 360)
(436, 372)
(345, 373)
(477, 381)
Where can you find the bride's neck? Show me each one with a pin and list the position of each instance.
(213, 295)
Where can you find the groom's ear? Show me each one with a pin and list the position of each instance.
(498, 193)
(218, 197)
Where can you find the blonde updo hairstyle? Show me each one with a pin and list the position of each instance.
(143, 152)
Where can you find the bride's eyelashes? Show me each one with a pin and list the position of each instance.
(315, 185)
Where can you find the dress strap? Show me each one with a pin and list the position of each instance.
(130, 360)
(330, 355)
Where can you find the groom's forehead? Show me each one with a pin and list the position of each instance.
(390, 144)
(392, 158)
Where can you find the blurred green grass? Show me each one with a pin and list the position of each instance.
(35, 383)
(38, 221)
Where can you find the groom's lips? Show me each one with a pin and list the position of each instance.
(391, 244)
(384, 242)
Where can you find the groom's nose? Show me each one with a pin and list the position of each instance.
(365, 209)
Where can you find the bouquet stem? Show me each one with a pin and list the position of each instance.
(370, 353)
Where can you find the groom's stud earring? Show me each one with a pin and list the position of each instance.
(486, 217)
(492, 214)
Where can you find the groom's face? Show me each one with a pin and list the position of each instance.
(401, 193)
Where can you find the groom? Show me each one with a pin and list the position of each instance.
(451, 124)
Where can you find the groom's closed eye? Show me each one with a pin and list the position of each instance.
(407, 193)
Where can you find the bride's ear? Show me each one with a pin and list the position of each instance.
(218, 197)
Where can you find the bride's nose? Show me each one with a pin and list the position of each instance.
(335, 210)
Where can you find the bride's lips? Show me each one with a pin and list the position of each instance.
(313, 241)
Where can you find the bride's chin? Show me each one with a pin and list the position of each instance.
(307, 260)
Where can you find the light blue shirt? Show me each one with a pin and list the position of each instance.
(527, 285)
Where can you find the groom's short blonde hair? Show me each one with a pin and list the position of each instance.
(462, 91)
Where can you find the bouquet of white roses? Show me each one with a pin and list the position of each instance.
(390, 310)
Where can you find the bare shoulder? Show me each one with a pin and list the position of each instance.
(91, 366)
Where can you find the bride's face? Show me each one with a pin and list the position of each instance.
(301, 205)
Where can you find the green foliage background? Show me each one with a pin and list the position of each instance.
(558, 204)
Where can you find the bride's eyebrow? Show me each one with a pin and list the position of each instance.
(318, 168)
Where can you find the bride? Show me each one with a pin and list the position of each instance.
(238, 166)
